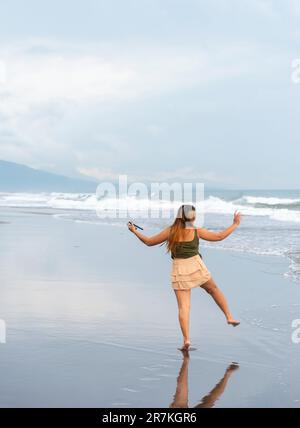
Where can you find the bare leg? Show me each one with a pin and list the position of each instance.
(211, 288)
(183, 300)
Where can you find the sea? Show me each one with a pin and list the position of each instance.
(270, 218)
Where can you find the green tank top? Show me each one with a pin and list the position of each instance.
(184, 250)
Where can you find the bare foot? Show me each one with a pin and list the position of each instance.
(186, 346)
(233, 322)
(233, 367)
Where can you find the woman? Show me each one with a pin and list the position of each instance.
(188, 269)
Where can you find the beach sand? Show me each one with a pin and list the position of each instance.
(91, 321)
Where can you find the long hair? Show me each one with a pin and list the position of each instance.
(186, 214)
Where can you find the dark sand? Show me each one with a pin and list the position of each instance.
(92, 322)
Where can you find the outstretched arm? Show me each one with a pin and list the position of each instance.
(150, 241)
(207, 235)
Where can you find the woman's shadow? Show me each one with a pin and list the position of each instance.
(180, 399)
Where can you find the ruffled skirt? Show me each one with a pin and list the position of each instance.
(189, 273)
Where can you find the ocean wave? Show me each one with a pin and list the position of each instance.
(248, 205)
(273, 202)
(24, 200)
(271, 229)
(217, 205)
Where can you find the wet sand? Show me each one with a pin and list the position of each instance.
(92, 322)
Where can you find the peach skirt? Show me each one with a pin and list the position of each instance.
(189, 273)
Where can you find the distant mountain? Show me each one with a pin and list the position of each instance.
(20, 178)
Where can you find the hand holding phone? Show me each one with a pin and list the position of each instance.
(133, 226)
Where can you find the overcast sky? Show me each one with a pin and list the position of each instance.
(195, 89)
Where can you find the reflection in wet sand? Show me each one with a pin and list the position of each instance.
(181, 395)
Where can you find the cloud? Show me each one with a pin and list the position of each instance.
(132, 105)
(85, 74)
(187, 174)
(34, 80)
(53, 91)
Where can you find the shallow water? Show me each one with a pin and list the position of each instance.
(91, 322)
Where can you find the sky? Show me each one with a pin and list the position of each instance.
(194, 90)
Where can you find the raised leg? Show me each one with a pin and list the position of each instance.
(211, 288)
